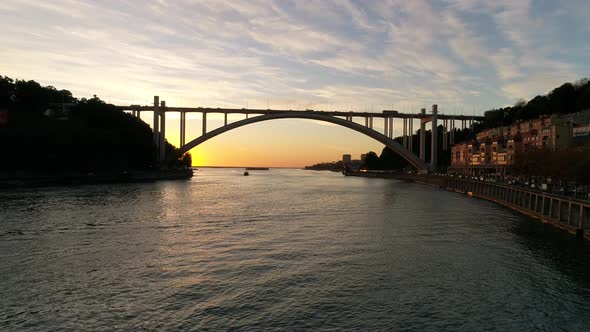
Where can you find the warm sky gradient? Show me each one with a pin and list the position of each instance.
(465, 55)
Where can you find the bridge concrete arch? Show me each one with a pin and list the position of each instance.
(393, 145)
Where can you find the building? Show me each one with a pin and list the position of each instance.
(363, 155)
(550, 132)
(461, 154)
(581, 134)
(493, 134)
(482, 158)
(495, 150)
(346, 159)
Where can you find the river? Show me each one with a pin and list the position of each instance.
(282, 250)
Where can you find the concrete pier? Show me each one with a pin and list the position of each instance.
(434, 148)
(423, 137)
(156, 122)
(411, 132)
(162, 130)
(452, 132)
(405, 133)
(182, 128)
(445, 138)
(391, 132)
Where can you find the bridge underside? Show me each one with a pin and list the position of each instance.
(345, 119)
(389, 142)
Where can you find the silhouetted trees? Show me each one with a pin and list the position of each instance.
(327, 166)
(568, 164)
(49, 129)
(391, 160)
(567, 98)
(372, 161)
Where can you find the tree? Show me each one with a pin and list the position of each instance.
(392, 160)
(562, 99)
(6, 91)
(583, 95)
(93, 136)
(536, 107)
(372, 161)
(186, 161)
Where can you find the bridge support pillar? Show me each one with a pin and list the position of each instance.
(434, 148)
(225, 119)
(182, 128)
(156, 125)
(411, 134)
(390, 127)
(452, 136)
(386, 126)
(404, 131)
(422, 137)
(163, 131)
(444, 142)
(204, 130)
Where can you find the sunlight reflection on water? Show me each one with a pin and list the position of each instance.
(281, 249)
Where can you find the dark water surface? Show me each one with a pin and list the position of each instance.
(282, 250)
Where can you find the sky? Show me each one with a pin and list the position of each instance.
(467, 56)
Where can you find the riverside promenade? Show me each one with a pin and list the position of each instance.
(563, 212)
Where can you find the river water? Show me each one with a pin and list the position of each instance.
(282, 250)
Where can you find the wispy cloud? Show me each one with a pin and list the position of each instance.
(319, 52)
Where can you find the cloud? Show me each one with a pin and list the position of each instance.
(305, 52)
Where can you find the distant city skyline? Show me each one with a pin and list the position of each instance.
(467, 56)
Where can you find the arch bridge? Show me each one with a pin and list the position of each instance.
(345, 119)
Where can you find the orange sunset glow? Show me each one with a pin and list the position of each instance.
(401, 55)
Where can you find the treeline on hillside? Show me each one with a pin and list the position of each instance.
(327, 166)
(568, 98)
(49, 129)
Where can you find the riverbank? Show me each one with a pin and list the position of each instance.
(38, 179)
(566, 213)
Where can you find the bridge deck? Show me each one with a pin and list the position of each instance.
(384, 114)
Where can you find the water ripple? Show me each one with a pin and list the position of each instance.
(282, 250)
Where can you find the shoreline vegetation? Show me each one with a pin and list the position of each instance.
(334, 166)
(48, 136)
(43, 179)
